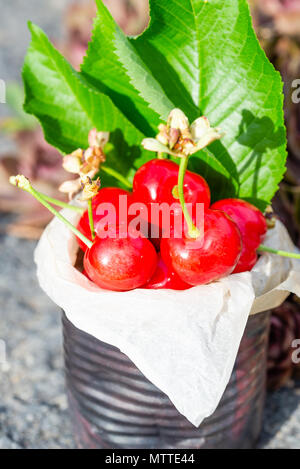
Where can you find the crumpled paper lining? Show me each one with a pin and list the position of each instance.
(184, 342)
(275, 277)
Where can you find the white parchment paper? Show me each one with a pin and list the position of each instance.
(185, 342)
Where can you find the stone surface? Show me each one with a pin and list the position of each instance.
(33, 407)
(32, 400)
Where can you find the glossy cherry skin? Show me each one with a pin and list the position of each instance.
(120, 264)
(210, 257)
(155, 180)
(165, 277)
(105, 195)
(84, 228)
(252, 226)
(85, 274)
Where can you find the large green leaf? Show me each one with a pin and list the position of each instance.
(110, 54)
(199, 55)
(211, 50)
(67, 108)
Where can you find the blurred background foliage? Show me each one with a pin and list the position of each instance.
(277, 23)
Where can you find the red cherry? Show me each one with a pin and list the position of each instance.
(85, 274)
(120, 264)
(84, 228)
(208, 258)
(252, 225)
(154, 183)
(106, 195)
(165, 277)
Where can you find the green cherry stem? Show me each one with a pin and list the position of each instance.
(192, 230)
(23, 183)
(91, 218)
(278, 252)
(59, 203)
(116, 175)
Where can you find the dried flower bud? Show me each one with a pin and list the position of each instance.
(162, 136)
(174, 135)
(70, 187)
(94, 156)
(200, 127)
(178, 120)
(98, 139)
(72, 162)
(20, 181)
(270, 217)
(89, 170)
(86, 164)
(90, 188)
(203, 134)
(178, 138)
(185, 147)
(152, 144)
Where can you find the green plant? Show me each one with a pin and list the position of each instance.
(199, 55)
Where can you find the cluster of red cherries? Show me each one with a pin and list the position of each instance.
(233, 231)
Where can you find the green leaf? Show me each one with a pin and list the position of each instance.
(211, 51)
(109, 55)
(67, 108)
(199, 55)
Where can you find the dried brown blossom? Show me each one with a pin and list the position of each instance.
(178, 137)
(85, 163)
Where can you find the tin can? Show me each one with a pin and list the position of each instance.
(113, 405)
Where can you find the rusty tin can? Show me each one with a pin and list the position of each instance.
(113, 405)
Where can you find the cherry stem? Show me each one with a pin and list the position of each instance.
(91, 218)
(116, 175)
(23, 183)
(193, 231)
(291, 255)
(160, 155)
(59, 203)
(60, 217)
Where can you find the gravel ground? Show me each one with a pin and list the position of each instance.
(33, 407)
